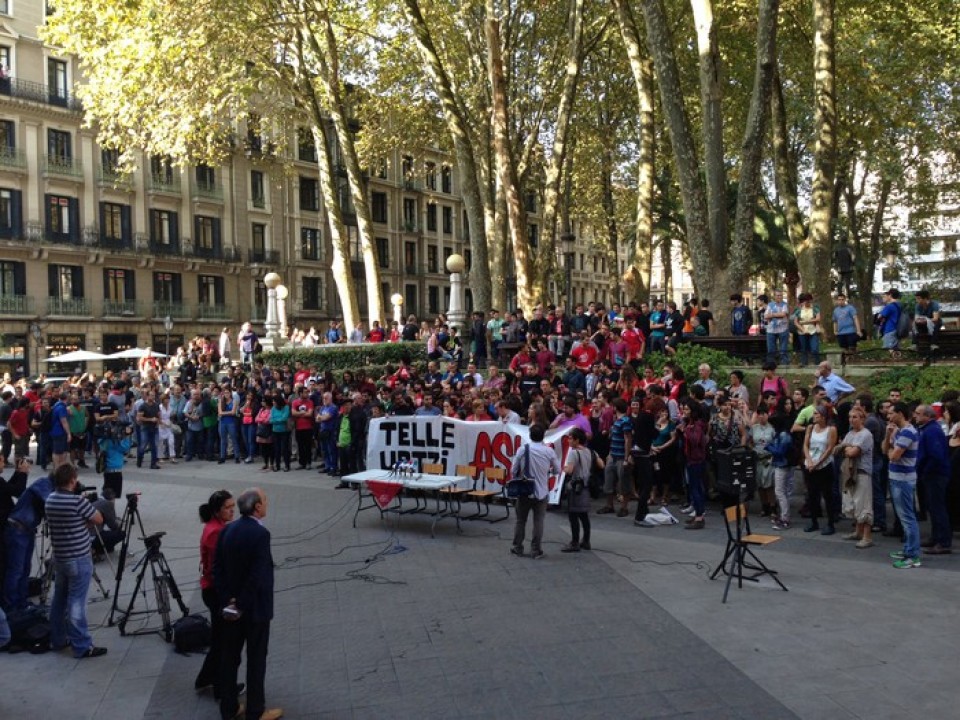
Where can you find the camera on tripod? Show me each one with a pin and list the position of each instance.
(89, 492)
(112, 430)
(152, 542)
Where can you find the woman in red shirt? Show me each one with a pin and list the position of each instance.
(19, 426)
(215, 513)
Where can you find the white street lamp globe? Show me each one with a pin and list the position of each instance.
(271, 280)
(282, 292)
(456, 263)
(396, 299)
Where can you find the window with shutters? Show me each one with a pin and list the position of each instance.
(167, 287)
(8, 137)
(431, 218)
(58, 85)
(447, 219)
(309, 194)
(431, 174)
(211, 290)
(309, 243)
(383, 253)
(205, 232)
(378, 207)
(59, 145)
(446, 179)
(258, 191)
(119, 284)
(65, 281)
(10, 217)
(13, 278)
(63, 223)
(433, 263)
(164, 230)
(312, 293)
(115, 222)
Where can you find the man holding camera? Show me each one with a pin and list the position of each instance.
(69, 517)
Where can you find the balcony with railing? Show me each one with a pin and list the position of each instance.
(63, 166)
(16, 305)
(121, 308)
(214, 312)
(38, 92)
(410, 227)
(69, 307)
(164, 249)
(258, 200)
(12, 159)
(164, 183)
(162, 309)
(206, 190)
(258, 313)
(413, 185)
(263, 257)
(111, 177)
(94, 237)
(216, 253)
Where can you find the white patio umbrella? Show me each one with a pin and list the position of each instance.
(134, 354)
(76, 356)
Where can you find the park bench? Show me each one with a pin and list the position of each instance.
(943, 346)
(751, 348)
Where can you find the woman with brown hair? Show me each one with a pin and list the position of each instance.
(818, 445)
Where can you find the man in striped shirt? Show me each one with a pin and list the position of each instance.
(69, 516)
(900, 445)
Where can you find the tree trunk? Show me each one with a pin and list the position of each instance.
(611, 246)
(824, 155)
(329, 76)
(506, 170)
(711, 101)
(785, 175)
(692, 191)
(458, 126)
(339, 245)
(555, 164)
(866, 254)
(642, 68)
(750, 186)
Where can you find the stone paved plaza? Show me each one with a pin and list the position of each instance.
(382, 621)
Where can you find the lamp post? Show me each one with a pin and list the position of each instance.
(282, 295)
(397, 300)
(168, 326)
(456, 316)
(569, 240)
(37, 334)
(270, 326)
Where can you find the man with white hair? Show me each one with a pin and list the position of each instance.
(834, 385)
(708, 384)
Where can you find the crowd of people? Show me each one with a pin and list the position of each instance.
(654, 435)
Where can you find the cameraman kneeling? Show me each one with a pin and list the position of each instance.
(110, 534)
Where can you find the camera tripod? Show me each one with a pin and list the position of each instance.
(164, 585)
(45, 563)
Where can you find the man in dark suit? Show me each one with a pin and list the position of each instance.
(243, 576)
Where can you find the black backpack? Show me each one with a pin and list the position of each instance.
(191, 633)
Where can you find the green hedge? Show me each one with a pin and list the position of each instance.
(338, 358)
(917, 383)
(689, 357)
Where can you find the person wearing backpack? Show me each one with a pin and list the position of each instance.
(889, 318)
(741, 317)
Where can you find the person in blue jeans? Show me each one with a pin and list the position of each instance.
(68, 517)
(328, 417)
(901, 444)
(777, 317)
(19, 538)
(229, 430)
(148, 420)
(933, 466)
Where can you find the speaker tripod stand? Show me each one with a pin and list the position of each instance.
(153, 560)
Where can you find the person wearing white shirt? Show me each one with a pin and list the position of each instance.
(506, 415)
(534, 461)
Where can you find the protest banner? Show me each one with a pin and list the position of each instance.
(450, 442)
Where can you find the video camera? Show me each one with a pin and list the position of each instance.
(152, 542)
(112, 429)
(89, 492)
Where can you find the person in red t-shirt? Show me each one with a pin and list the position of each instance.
(301, 374)
(376, 333)
(634, 340)
(301, 410)
(585, 353)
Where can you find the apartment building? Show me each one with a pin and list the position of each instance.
(97, 260)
